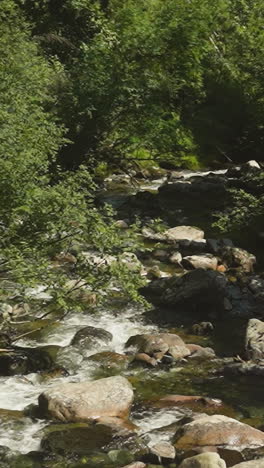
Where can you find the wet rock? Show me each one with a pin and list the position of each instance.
(244, 368)
(239, 258)
(158, 345)
(206, 262)
(110, 360)
(220, 432)
(73, 402)
(76, 438)
(193, 402)
(199, 291)
(204, 460)
(146, 359)
(24, 361)
(255, 340)
(89, 337)
(121, 426)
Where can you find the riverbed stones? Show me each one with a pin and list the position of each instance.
(206, 262)
(158, 345)
(204, 460)
(89, 337)
(255, 340)
(219, 432)
(73, 402)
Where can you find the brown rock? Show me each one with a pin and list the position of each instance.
(158, 345)
(218, 431)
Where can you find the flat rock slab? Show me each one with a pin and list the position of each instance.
(184, 233)
(74, 402)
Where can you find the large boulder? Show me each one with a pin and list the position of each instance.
(218, 432)
(255, 340)
(158, 345)
(197, 291)
(204, 460)
(74, 402)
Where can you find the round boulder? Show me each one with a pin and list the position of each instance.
(89, 337)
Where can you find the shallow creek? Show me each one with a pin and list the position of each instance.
(21, 433)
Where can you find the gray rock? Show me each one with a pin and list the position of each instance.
(89, 337)
(75, 402)
(204, 460)
(255, 339)
(206, 262)
(163, 450)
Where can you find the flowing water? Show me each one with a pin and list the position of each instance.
(16, 393)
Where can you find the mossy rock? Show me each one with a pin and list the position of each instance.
(77, 438)
(110, 361)
(24, 361)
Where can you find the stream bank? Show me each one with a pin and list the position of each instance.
(191, 355)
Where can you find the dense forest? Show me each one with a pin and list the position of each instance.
(90, 86)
